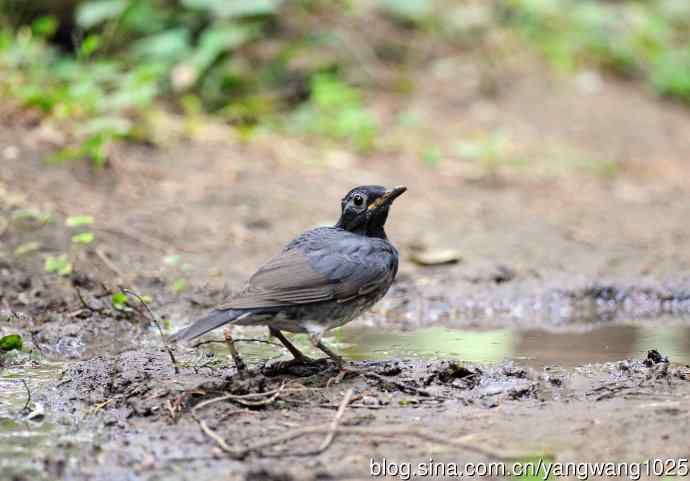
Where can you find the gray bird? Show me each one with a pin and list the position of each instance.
(323, 279)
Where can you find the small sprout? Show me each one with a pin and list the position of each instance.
(31, 215)
(58, 264)
(11, 342)
(119, 301)
(171, 260)
(26, 248)
(83, 238)
(180, 285)
(408, 402)
(77, 220)
(166, 323)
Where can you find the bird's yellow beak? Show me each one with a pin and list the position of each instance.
(388, 197)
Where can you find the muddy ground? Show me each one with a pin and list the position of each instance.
(556, 248)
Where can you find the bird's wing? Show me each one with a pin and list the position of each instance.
(334, 271)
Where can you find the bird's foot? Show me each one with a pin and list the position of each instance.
(299, 361)
(300, 367)
(317, 343)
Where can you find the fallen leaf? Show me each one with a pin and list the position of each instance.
(436, 257)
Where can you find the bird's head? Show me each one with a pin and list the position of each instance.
(365, 209)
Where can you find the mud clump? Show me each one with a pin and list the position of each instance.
(638, 378)
(654, 357)
(455, 374)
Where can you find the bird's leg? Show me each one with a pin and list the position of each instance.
(239, 363)
(316, 342)
(296, 353)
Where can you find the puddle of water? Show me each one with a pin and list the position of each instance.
(23, 440)
(533, 347)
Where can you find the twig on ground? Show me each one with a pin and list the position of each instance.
(235, 453)
(388, 433)
(88, 306)
(36, 344)
(239, 363)
(147, 240)
(100, 253)
(248, 399)
(336, 421)
(138, 236)
(25, 409)
(157, 324)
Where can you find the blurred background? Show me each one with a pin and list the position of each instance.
(98, 71)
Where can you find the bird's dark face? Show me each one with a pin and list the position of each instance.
(365, 209)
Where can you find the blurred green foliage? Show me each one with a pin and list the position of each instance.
(335, 110)
(97, 68)
(202, 55)
(648, 40)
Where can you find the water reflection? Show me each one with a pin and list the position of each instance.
(22, 440)
(534, 347)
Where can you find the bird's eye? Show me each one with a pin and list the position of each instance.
(358, 200)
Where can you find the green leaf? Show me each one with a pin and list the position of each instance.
(26, 248)
(108, 125)
(180, 285)
(32, 215)
(77, 220)
(218, 39)
(167, 46)
(119, 301)
(171, 260)
(92, 13)
(59, 265)
(413, 11)
(90, 44)
(535, 467)
(83, 238)
(235, 8)
(45, 26)
(11, 342)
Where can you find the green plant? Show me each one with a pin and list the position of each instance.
(11, 342)
(647, 40)
(131, 54)
(120, 301)
(179, 286)
(58, 264)
(336, 110)
(78, 220)
(83, 238)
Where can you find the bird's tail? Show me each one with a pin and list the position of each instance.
(205, 324)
